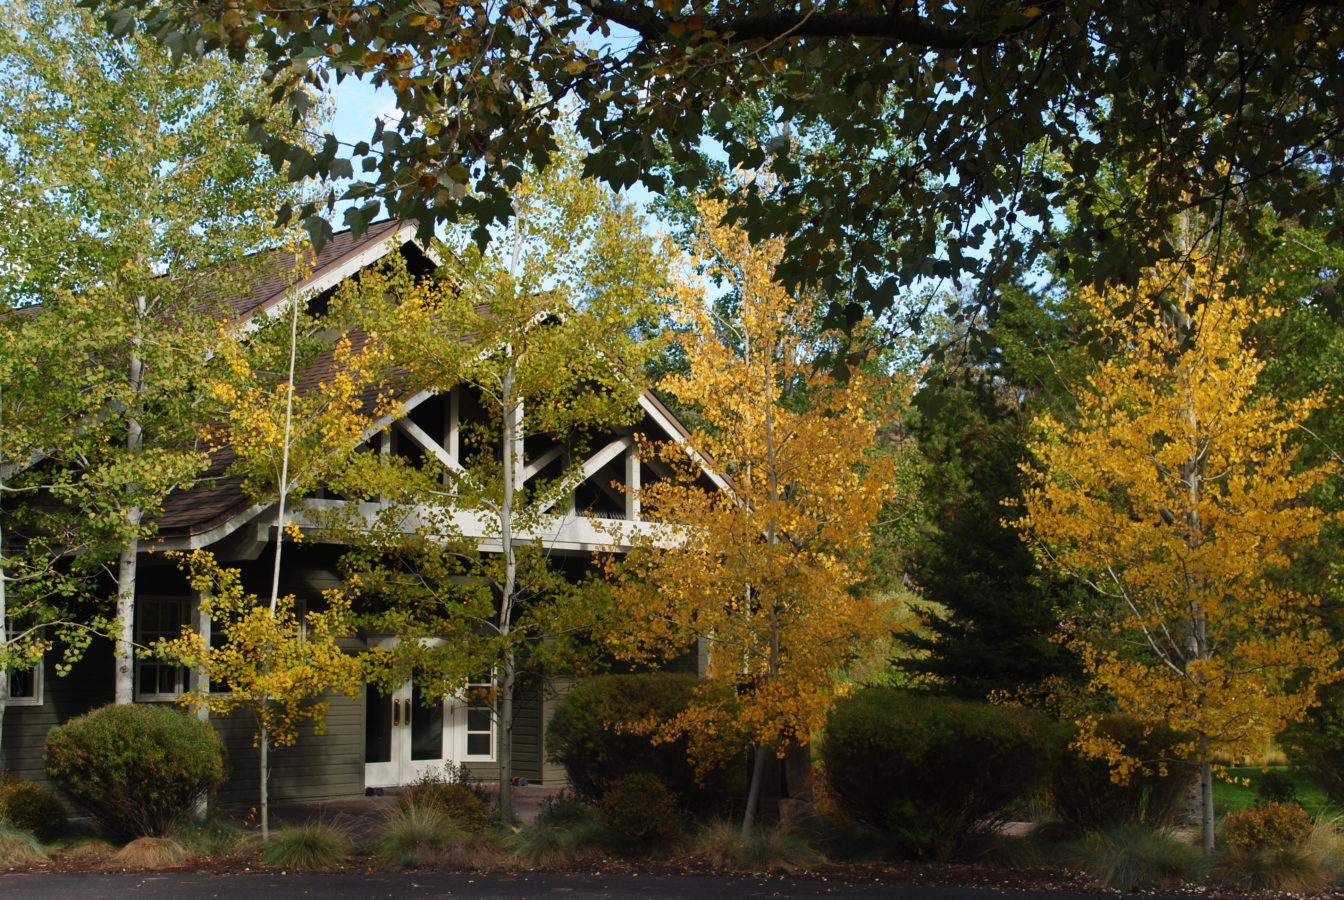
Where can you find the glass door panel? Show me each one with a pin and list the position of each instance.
(426, 724)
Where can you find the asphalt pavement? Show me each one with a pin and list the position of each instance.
(423, 886)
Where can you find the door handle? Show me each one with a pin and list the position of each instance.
(396, 713)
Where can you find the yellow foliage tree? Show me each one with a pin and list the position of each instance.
(274, 662)
(291, 426)
(764, 573)
(1174, 493)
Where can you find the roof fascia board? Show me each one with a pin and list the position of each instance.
(329, 277)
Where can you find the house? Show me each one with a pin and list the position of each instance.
(381, 739)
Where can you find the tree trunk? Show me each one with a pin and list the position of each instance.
(4, 609)
(754, 790)
(509, 452)
(1205, 798)
(505, 749)
(127, 563)
(128, 558)
(265, 775)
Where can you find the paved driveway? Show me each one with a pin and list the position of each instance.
(475, 887)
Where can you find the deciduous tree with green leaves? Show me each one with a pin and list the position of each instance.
(130, 197)
(1176, 494)
(541, 331)
(1010, 115)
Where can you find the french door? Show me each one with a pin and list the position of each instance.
(403, 737)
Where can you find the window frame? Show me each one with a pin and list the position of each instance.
(186, 607)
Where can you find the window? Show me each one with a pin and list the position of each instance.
(159, 617)
(480, 719)
(25, 686)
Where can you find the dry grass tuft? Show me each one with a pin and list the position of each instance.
(19, 847)
(151, 853)
(88, 850)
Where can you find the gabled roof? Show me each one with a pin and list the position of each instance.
(203, 515)
(222, 503)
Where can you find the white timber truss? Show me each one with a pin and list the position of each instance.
(560, 524)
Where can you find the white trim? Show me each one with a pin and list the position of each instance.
(663, 422)
(184, 675)
(279, 303)
(591, 466)
(417, 434)
(531, 469)
(39, 686)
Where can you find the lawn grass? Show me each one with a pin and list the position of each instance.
(1229, 797)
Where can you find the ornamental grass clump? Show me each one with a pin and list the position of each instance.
(151, 853)
(420, 836)
(566, 830)
(19, 847)
(314, 845)
(771, 849)
(1131, 858)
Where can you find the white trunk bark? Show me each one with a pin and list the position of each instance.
(511, 463)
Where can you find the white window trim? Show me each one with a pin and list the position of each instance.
(39, 686)
(467, 706)
(186, 605)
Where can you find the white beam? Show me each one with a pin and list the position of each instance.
(531, 469)
(593, 465)
(632, 482)
(417, 434)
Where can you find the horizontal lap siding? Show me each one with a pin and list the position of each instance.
(323, 766)
(553, 774)
(89, 685)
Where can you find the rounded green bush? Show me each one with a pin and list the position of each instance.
(28, 805)
(1085, 795)
(138, 770)
(584, 736)
(930, 772)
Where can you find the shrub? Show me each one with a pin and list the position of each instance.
(316, 845)
(1316, 745)
(1085, 795)
(1274, 786)
(1274, 847)
(930, 772)
(1270, 826)
(138, 770)
(28, 805)
(18, 846)
(639, 813)
(459, 802)
(584, 737)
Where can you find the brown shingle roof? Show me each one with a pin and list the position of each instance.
(199, 509)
